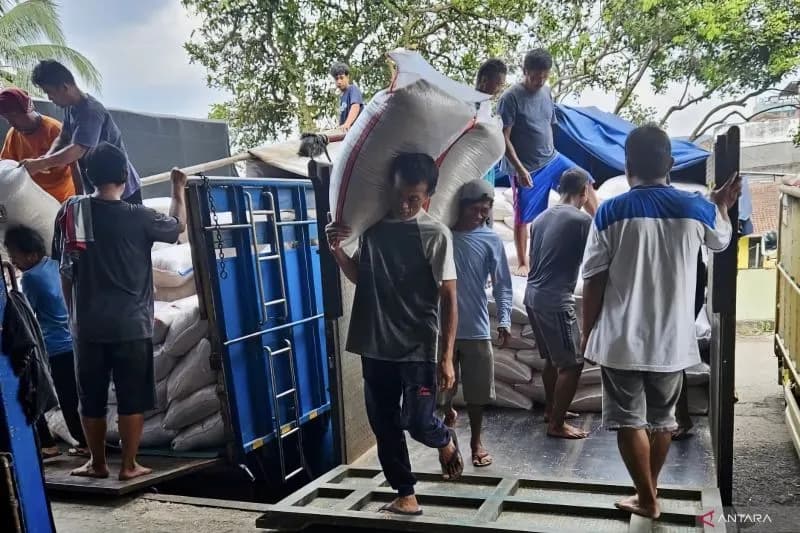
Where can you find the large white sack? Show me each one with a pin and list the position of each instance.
(186, 330)
(591, 375)
(506, 396)
(154, 435)
(698, 375)
(698, 400)
(468, 159)
(58, 426)
(192, 409)
(532, 358)
(508, 193)
(210, 433)
(172, 266)
(509, 370)
(422, 111)
(501, 209)
(162, 363)
(534, 390)
(192, 372)
(505, 233)
(173, 294)
(588, 399)
(23, 202)
(516, 342)
(162, 205)
(619, 185)
(161, 395)
(164, 314)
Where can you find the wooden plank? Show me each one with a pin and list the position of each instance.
(57, 474)
(208, 502)
(712, 501)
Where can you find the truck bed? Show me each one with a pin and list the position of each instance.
(536, 484)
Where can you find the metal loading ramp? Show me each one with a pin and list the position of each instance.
(350, 497)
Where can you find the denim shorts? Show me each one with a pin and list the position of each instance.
(640, 400)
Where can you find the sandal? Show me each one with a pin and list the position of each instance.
(479, 460)
(79, 452)
(50, 453)
(450, 418)
(390, 508)
(453, 467)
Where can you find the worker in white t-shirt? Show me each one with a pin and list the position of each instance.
(639, 269)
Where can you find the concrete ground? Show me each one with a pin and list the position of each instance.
(766, 470)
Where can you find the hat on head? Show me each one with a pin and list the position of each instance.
(475, 191)
(14, 100)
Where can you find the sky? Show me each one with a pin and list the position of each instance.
(138, 48)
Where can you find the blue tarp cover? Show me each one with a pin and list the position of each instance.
(595, 140)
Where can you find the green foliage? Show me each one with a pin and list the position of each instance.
(30, 30)
(273, 55)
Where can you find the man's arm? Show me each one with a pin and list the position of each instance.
(62, 158)
(502, 289)
(523, 176)
(352, 115)
(177, 208)
(66, 290)
(593, 290)
(336, 233)
(449, 321)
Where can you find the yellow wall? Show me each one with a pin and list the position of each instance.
(755, 295)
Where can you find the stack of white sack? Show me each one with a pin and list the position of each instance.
(173, 272)
(422, 111)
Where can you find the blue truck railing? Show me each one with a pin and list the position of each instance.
(256, 251)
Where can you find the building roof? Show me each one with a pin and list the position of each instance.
(766, 202)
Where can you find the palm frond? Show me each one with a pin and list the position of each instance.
(32, 21)
(24, 58)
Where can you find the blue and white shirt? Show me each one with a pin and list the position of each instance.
(648, 239)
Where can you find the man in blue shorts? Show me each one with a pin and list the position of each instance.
(531, 160)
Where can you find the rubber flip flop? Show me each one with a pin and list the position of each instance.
(390, 508)
(455, 462)
(77, 452)
(482, 460)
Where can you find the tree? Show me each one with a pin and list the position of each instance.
(30, 30)
(720, 50)
(273, 55)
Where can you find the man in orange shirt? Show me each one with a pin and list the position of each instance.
(30, 136)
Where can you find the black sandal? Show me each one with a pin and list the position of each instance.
(454, 467)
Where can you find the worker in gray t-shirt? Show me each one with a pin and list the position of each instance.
(558, 238)
(405, 281)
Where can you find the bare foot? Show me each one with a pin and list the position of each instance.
(450, 418)
(566, 432)
(138, 470)
(569, 416)
(632, 505)
(522, 271)
(403, 505)
(91, 470)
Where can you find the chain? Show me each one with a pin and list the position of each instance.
(223, 274)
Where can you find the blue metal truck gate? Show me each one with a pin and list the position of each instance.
(256, 252)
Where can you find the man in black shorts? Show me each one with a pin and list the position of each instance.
(108, 287)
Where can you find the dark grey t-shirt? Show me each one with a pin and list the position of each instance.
(113, 278)
(401, 265)
(531, 116)
(558, 239)
(88, 124)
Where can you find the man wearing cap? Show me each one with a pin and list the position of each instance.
(30, 136)
(479, 255)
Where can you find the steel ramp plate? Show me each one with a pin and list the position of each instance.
(57, 474)
(351, 497)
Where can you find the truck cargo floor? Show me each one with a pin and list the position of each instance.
(520, 447)
(351, 497)
(57, 474)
